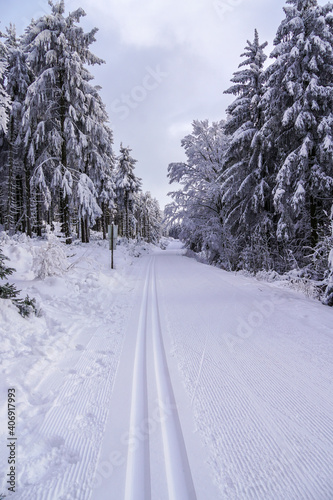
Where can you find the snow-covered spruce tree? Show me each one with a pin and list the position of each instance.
(299, 105)
(107, 197)
(140, 212)
(4, 108)
(89, 210)
(246, 182)
(152, 222)
(7, 291)
(148, 217)
(127, 184)
(18, 79)
(57, 121)
(100, 158)
(197, 205)
(97, 180)
(4, 98)
(25, 306)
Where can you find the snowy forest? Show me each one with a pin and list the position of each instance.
(256, 191)
(58, 167)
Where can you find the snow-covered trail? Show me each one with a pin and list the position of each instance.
(150, 451)
(258, 367)
(255, 373)
(166, 379)
(174, 455)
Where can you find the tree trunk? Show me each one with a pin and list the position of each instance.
(87, 230)
(104, 220)
(314, 222)
(83, 236)
(9, 220)
(19, 220)
(39, 212)
(27, 201)
(84, 230)
(66, 225)
(126, 216)
(66, 221)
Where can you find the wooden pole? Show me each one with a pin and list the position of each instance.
(111, 246)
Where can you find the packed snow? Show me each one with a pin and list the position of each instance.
(163, 378)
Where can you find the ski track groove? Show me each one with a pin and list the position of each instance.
(178, 475)
(179, 479)
(137, 485)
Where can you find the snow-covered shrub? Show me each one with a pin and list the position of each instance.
(25, 306)
(198, 256)
(306, 286)
(50, 259)
(328, 297)
(164, 242)
(136, 249)
(319, 257)
(269, 276)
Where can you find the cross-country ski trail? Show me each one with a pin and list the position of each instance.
(223, 390)
(152, 459)
(167, 379)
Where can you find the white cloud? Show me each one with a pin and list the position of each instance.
(152, 23)
(179, 130)
(196, 26)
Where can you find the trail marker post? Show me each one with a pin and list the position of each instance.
(112, 233)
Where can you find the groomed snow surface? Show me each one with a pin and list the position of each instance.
(163, 379)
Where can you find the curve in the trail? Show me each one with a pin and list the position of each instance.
(138, 466)
(178, 473)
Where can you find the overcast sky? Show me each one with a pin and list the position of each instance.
(167, 63)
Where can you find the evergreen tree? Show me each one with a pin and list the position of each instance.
(89, 210)
(18, 79)
(246, 184)
(299, 104)
(25, 306)
(7, 291)
(198, 203)
(58, 119)
(4, 99)
(127, 184)
(100, 159)
(107, 196)
(4, 108)
(148, 217)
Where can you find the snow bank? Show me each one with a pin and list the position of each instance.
(64, 360)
